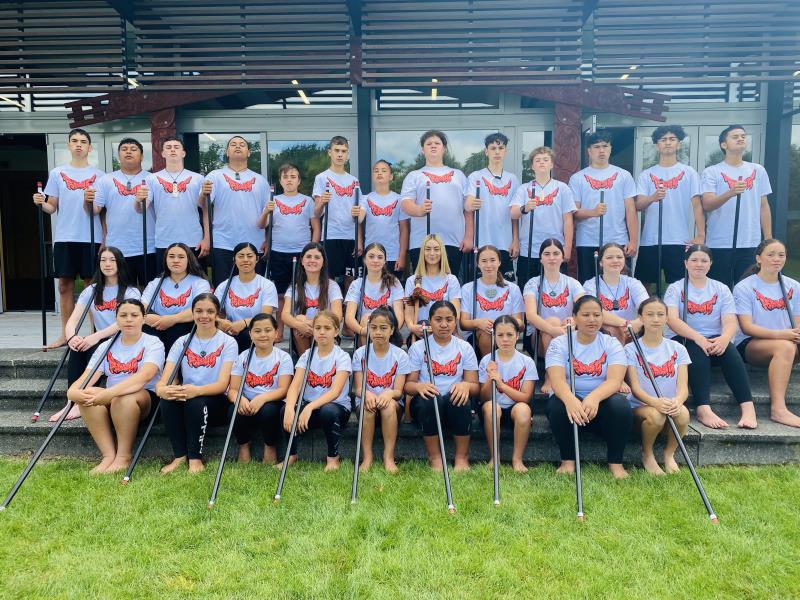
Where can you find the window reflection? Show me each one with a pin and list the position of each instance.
(310, 156)
(212, 146)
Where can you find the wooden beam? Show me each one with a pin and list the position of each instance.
(567, 151)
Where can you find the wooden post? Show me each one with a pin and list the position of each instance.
(567, 150)
(162, 125)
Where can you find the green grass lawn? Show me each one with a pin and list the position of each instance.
(69, 535)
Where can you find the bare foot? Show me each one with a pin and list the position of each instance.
(196, 465)
(244, 454)
(390, 465)
(292, 460)
(102, 466)
(460, 464)
(546, 387)
(121, 463)
(332, 463)
(618, 471)
(651, 465)
(270, 455)
(566, 466)
(670, 466)
(74, 413)
(61, 341)
(748, 420)
(519, 466)
(708, 418)
(436, 463)
(785, 417)
(173, 465)
(365, 464)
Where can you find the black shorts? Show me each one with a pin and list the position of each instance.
(727, 268)
(671, 263)
(742, 348)
(280, 270)
(73, 259)
(340, 257)
(136, 268)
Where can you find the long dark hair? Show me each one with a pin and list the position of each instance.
(576, 307)
(302, 279)
(382, 311)
(755, 267)
(211, 298)
(645, 304)
(443, 304)
(263, 317)
(550, 242)
(387, 278)
(507, 320)
(500, 280)
(192, 264)
(123, 278)
(698, 248)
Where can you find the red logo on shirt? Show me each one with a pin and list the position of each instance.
(169, 185)
(169, 301)
(381, 212)
(665, 370)
(594, 368)
(384, 381)
(435, 295)
(123, 188)
(343, 191)
(770, 304)
(116, 367)
(237, 302)
(372, 304)
(748, 182)
(622, 301)
(312, 302)
(549, 301)
(516, 381)
(265, 380)
(601, 184)
(107, 305)
(434, 178)
(290, 210)
(547, 200)
(667, 184)
(701, 308)
(73, 184)
(493, 304)
(209, 360)
(325, 380)
(497, 191)
(240, 186)
(449, 368)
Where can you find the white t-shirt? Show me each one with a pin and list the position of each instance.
(628, 294)
(104, 314)
(681, 183)
(556, 299)
(554, 200)
(616, 185)
(263, 372)
(68, 183)
(382, 223)
(706, 305)
(374, 295)
(122, 361)
(174, 297)
(513, 372)
(590, 361)
(343, 189)
(664, 361)
(291, 228)
(322, 373)
(204, 358)
(382, 371)
(493, 301)
(765, 304)
(238, 203)
(495, 213)
(722, 177)
(246, 300)
(117, 193)
(174, 200)
(437, 287)
(312, 297)
(448, 188)
(448, 362)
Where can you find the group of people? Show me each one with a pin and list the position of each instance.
(184, 341)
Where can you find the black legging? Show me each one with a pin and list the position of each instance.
(168, 336)
(187, 422)
(331, 417)
(458, 419)
(733, 369)
(78, 362)
(613, 423)
(267, 419)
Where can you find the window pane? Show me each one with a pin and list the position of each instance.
(212, 150)
(530, 141)
(650, 154)
(793, 226)
(62, 155)
(311, 157)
